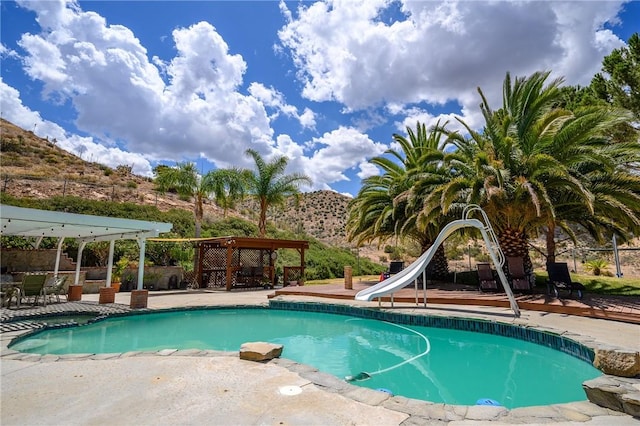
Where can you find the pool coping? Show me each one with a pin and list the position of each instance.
(417, 410)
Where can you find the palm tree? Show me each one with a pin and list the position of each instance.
(527, 169)
(269, 185)
(387, 205)
(227, 186)
(224, 184)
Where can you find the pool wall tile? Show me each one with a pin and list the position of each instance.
(528, 334)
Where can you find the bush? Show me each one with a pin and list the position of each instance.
(596, 266)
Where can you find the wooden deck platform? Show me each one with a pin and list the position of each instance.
(615, 308)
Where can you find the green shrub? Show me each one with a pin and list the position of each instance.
(596, 266)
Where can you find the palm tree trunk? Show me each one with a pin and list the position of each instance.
(514, 243)
(262, 224)
(439, 263)
(551, 243)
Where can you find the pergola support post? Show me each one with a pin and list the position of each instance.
(140, 296)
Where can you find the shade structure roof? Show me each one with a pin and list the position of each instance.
(26, 222)
(257, 243)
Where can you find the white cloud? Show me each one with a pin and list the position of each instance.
(442, 51)
(335, 152)
(120, 94)
(367, 170)
(88, 148)
(271, 98)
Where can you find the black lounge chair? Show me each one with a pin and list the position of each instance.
(560, 279)
(486, 279)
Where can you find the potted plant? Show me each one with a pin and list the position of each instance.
(116, 273)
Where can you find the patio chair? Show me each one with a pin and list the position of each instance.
(10, 291)
(560, 279)
(486, 279)
(56, 288)
(519, 279)
(33, 286)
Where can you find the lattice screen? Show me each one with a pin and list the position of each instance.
(214, 259)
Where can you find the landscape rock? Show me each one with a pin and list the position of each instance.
(260, 351)
(618, 362)
(615, 393)
(631, 403)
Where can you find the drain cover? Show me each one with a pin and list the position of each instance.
(290, 390)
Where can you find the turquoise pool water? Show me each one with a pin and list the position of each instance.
(433, 364)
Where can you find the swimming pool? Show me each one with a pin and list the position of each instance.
(429, 363)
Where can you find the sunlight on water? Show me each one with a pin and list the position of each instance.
(438, 365)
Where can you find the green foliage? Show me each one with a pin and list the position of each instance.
(394, 252)
(231, 226)
(619, 82)
(322, 261)
(596, 266)
(118, 269)
(612, 286)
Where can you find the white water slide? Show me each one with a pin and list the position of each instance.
(419, 268)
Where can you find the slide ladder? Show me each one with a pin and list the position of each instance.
(493, 245)
(418, 268)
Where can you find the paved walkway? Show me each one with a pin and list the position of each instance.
(208, 387)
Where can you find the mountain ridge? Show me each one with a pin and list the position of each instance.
(35, 167)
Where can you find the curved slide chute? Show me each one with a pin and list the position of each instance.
(418, 268)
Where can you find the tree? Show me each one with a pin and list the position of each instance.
(224, 184)
(526, 168)
(619, 81)
(387, 205)
(269, 185)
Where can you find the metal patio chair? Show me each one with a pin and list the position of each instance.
(33, 286)
(560, 279)
(486, 279)
(56, 288)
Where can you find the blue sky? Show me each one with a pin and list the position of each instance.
(324, 83)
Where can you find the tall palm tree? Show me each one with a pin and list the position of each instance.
(387, 205)
(527, 167)
(269, 185)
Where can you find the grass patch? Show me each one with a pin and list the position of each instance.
(612, 286)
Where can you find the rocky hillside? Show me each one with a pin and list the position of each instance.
(36, 167)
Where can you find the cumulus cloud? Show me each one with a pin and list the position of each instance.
(438, 52)
(336, 152)
(88, 148)
(367, 169)
(275, 100)
(120, 94)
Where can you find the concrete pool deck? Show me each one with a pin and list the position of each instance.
(208, 387)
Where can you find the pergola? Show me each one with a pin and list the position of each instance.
(25, 222)
(237, 262)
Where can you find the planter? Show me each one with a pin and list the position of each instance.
(116, 286)
(139, 299)
(75, 293)
(107, 295)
